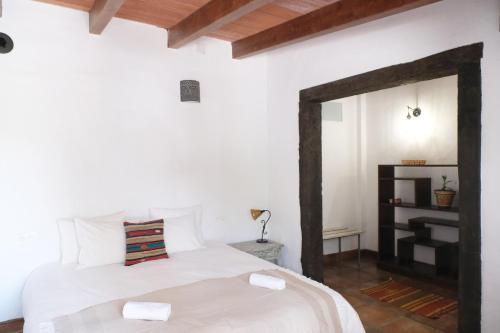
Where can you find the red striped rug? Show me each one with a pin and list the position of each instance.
(412, 299)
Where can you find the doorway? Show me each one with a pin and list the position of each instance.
(465, 62)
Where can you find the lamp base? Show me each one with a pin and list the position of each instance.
(261, 241)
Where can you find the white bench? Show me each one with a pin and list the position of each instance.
(339, 234)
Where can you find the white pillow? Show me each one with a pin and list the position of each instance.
(68, 244)
(180, 234)
(101, 242)
(68, 241)
(168, 213)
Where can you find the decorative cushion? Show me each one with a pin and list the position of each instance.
(145, 242)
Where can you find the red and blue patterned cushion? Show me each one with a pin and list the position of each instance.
(144, 241)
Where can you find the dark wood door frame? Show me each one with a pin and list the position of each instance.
(465, 62)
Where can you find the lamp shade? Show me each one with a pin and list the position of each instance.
(256, 213)
(6, 43)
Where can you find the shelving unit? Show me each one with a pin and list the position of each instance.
(422, 221)
(414, 206)
(445, 270)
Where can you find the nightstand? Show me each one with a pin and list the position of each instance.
(268, 251)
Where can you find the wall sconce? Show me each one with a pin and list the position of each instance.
(6, 43)
(190, 91)
(416, 112)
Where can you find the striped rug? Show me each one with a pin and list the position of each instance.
(411, 299)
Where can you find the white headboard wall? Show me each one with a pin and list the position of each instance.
(91, 125)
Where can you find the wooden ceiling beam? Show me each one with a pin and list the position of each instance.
(334, 17)
(209, 18)
(101, 14)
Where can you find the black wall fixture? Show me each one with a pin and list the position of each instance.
(6, 43)
(190, 91)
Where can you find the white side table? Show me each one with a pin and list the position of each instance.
(269, 251)
(339, 234)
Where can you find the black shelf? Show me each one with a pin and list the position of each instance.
(420, 231)
(421, 166)
(445, 270)
(403, 226)
(418, 269)
(414, 206)
(421, 221)
(406, 178)
(434, 243)
(398, 226)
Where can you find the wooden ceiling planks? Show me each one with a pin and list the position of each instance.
(303, 6)
(250, 24)
(268, 26)
(209, 18)
(102, 13)
(168, 13)
(161, 13)
(334, 17)
(85, 5)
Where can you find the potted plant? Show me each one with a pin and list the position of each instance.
(445, 195)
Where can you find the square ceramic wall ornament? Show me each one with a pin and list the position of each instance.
(190, 91)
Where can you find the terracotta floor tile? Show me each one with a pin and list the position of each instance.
(407, 325)
(374, 315)
(447, 322)
(372, 330)
(355, 293)
(356, 300)
(379, 317)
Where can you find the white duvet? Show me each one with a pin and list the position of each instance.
(54, 290)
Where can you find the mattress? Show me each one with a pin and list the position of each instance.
(54, 290)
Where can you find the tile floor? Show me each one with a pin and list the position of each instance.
(378, 317)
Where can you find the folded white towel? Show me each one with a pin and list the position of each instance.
(147, 311)
(267, 281)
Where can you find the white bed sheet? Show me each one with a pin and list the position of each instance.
(54, 290)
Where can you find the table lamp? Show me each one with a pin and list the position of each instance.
(256, 213)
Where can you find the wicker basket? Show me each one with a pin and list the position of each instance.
(414, 162)
(444, 198)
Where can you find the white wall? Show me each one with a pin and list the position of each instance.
(391, 137)
(93, 124)
(341, 159)
(374, 130)
(431, 136)
(401, 38)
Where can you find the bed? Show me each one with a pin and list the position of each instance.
(55, 290)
